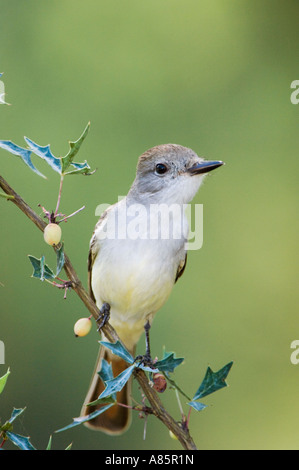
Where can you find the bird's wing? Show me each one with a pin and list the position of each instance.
(181, 268)
(94, 248)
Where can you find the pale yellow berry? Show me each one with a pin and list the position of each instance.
(52, 234)
(82, 327)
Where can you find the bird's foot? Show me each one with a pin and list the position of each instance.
(145, 360)
(104, 317)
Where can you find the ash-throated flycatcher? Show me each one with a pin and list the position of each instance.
(135, 272)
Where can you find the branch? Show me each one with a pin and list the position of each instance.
(178, 430)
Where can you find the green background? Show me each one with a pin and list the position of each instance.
(213, 75)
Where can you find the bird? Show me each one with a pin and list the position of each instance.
(136, 257)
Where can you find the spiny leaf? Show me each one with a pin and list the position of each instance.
(80, 168)
(212, 382)
(101, 401)
(60, 259)
(46, 154)
(40, 269)
(3, 380)
(16, 412)
(117, 384)
(197, 405)
(118, 349)
(60, 165)
(81, 420)
(74, 148)
(49, 443)
(106, 373)
(169, 362)
(21, 442)
(24, 154)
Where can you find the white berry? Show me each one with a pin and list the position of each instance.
(82, 327)
(52, 234)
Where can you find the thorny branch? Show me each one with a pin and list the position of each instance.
(179, 430)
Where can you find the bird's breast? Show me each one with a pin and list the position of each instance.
(135, 277)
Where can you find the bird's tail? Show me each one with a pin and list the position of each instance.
(116, 419)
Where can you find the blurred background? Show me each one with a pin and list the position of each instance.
(211, 75)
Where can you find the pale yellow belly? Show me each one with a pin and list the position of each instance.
(135, 288)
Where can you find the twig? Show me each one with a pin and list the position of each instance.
(59, 196)
(157, 407)
(71, 215)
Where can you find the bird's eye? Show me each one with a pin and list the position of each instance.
(161, 168)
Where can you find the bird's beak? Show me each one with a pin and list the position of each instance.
(204, 167)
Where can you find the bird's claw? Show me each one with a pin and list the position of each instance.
(146, 360)
(104, 317)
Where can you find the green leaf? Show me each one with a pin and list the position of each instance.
(106, 371)
(212, 382)
(40, 269)
(49, 443)
(69, 447)
(16, 412)
(6, 196)
(80, 168)
(81, 420)
(197, 405)
(118, 349)
(102, 401)
(24, 154)
(3, 380)
(46, 154)
(169, 362)
(60, 165)
(60, 259)
(117, 384)
(21, 442)
(74, 149)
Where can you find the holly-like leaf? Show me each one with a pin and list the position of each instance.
(102, 401)
(212, 382)
(169, 362)
(118, 349)
(16, 412)
(197, 405)
(46, 154)
(74, 149)
(80, 168)
(117, 384)
(3, 380)
(21, 442)
(24, 154)
(40, 269)
(49, 443)
(63, 166)
(60, 259)
(106, 371)
(84, 419)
